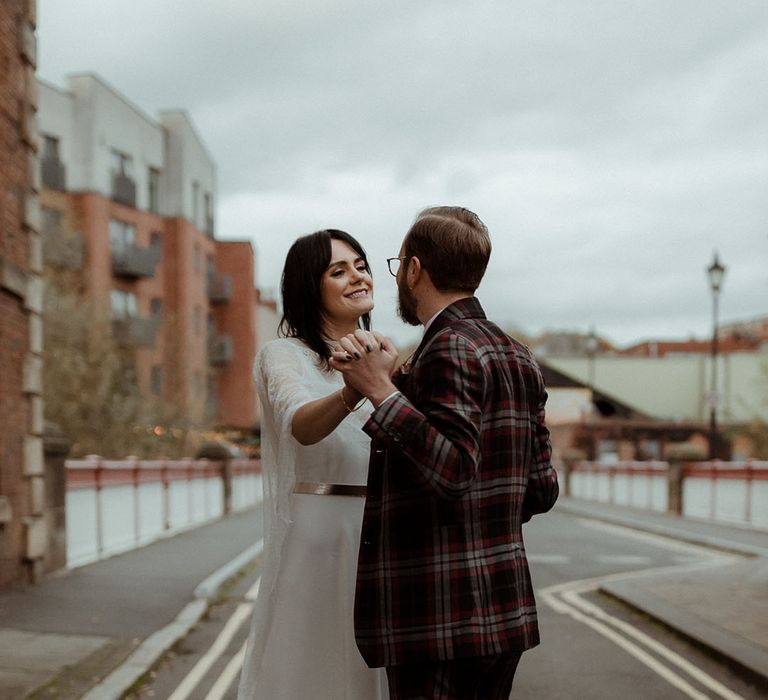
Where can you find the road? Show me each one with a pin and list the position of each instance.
(592, 646)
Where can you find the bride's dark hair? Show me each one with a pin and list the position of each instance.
(305, 265)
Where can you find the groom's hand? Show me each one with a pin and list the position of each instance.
(367, 361)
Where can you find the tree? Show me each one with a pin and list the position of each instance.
(91, 388)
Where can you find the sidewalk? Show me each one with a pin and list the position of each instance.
(724, 611)
(70, 631)
(62, 637)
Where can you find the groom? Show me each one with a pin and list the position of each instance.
(460, 459)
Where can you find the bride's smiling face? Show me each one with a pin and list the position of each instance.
(346, 289)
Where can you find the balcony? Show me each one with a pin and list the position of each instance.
(219, 287)
(212, 407)
(134, 261)
(124, 190)
(66, 251)
(220, 350)
(135, 331)
(53, 174)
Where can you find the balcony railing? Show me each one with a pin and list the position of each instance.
(134, 261)
(53, 174)
(124, 190)
(63, 250)
(220, 350)
(135, 331)
(219, 287)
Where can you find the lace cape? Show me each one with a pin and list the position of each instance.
(279, 372)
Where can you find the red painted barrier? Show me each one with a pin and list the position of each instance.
(94, 481)
(750, 473)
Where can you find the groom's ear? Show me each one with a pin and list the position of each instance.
(414, 271)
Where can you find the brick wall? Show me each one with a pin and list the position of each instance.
(20, 296)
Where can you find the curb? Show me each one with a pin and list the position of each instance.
(718, 543)
(718, 642)
(115, 685)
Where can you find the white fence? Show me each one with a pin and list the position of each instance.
(114, 506)
(731, 492)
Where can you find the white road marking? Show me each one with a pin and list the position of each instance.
(683, 664)
(228, 675)
(548, 558)
(656, 540)
(203, 665)
(642, 656)
(253, 591)
(622, 559)
(564, 598)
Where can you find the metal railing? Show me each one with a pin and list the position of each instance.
(135, 261)
(53, 174)
(732, 492)
(124, 190)
(219, 287)
(113, 506)
(221, 350)
(135, 331)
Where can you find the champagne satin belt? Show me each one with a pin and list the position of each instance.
(329, 489)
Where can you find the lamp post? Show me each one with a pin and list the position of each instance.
(715, 272)
(592, 345)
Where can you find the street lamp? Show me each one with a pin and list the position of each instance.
(715, 272)
(592, 346)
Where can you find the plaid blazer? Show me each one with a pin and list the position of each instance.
(460, 459)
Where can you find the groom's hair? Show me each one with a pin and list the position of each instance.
(305, 264)
(453, 245)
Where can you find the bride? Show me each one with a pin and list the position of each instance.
(315, 462)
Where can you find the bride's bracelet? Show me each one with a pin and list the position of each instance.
(346, 405)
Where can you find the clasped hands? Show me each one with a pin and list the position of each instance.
(366, 359)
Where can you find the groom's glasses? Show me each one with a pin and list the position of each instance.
(394, 264)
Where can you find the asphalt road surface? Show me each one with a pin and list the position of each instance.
(592, 646)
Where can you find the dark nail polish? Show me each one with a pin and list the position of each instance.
(357, 355)
(368, 348)
(349, 357)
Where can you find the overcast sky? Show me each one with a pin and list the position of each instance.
(610, 146)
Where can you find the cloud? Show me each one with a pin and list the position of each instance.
(611, 146)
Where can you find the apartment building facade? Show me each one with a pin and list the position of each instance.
(128, 203)
(22, 473)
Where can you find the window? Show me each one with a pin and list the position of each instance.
(154, 190)
(212, 403)
(157, 380)
(195, 201)
(50, 148)
(208, 212)
(51, 219)
(156, 308)
(121, 235)
(198, 259)
(197, 319)
(210, 265)
(122, 164)
(124, 304)
(156, 241)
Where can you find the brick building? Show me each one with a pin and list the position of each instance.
(129, 203)
(22, 488)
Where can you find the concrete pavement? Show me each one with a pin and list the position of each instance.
(62, 637)
(113, 619)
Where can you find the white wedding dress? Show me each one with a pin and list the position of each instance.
(302, 643)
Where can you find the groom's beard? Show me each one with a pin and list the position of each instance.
(406, 304)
